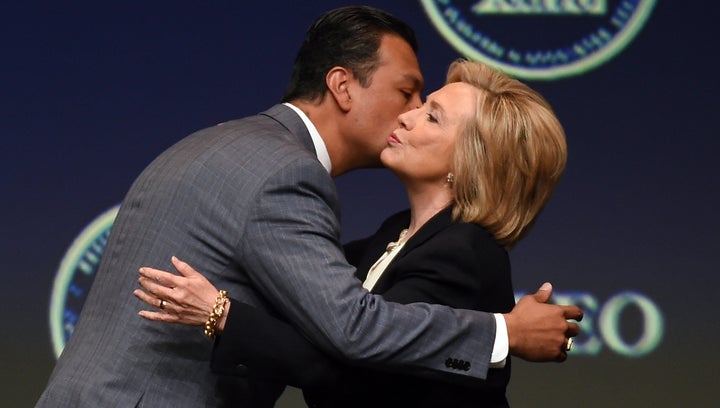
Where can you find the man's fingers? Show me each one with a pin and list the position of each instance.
(572, 330)
(543, 294)
(562, 356)
(572, 312)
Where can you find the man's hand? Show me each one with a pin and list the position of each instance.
(538, 331)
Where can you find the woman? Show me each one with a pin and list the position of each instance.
(479, 161)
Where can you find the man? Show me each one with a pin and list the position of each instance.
(252, 203)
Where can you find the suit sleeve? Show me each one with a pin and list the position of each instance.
(454, 269)
(292, 253)
(267, 347)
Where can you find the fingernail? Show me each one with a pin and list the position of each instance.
(546, 286)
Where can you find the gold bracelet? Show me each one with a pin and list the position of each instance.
(216, 313)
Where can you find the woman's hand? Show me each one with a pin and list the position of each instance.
(186, 299)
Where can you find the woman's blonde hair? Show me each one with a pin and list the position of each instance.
(509, 157)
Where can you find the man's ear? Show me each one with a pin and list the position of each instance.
(338, 82)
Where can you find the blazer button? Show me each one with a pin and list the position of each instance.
(457, 364)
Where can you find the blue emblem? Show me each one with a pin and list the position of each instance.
(539, 39)
(75, 276)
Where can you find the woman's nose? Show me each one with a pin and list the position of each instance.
(402, 120)
(405, 119)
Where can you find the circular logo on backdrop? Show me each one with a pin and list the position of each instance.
(539, 39)
(75, 276)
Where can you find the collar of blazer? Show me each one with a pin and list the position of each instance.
(389, 231)
(290, 120)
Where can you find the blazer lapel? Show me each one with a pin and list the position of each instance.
(434, 225)
(388, 233)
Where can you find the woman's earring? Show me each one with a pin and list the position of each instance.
(450, 178)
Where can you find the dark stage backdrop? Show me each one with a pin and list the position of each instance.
(91, 92)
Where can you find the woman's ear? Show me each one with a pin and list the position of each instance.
(338, 82)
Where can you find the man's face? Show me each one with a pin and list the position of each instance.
(394, 89)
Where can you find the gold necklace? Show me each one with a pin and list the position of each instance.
(391, 246)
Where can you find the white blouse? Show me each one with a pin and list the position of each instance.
(379, 266)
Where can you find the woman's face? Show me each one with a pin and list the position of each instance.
(421, 149)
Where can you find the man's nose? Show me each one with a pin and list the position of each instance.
(415, 102)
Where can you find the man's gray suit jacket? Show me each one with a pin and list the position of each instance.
(248, 204)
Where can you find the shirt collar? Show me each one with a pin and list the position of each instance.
(320, 148)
